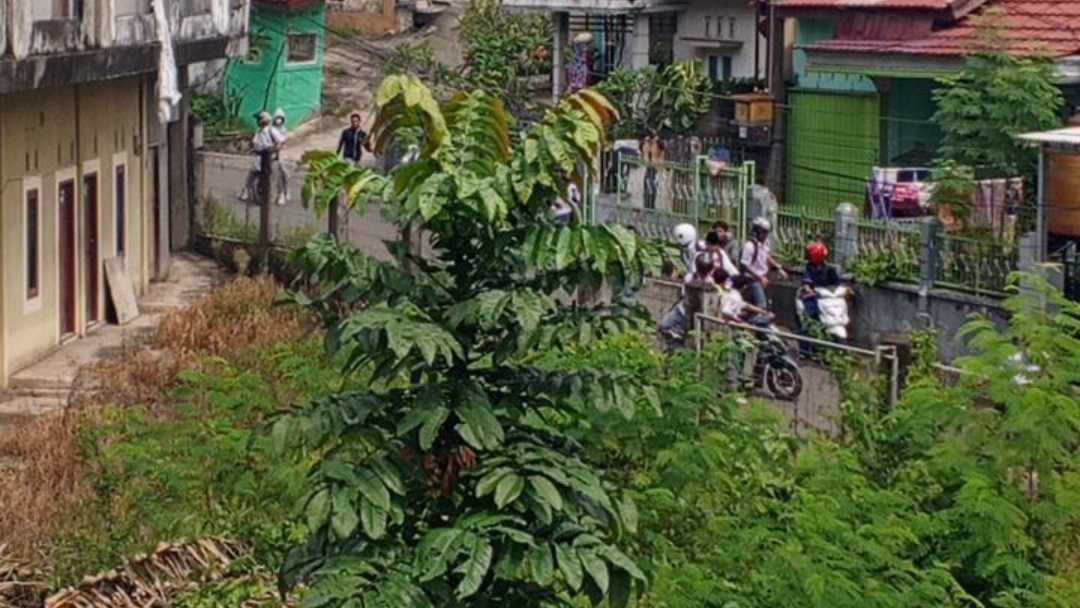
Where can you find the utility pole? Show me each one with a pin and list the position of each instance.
(266, 168)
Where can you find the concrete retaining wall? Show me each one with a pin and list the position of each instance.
(219, 179)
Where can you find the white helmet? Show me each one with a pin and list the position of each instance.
(685, 234)
(761, 223)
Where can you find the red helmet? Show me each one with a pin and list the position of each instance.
(817, 253)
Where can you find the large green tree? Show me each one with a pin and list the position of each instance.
(447, 482)
(995, 97)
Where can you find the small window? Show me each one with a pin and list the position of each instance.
(33, 244)
(731, 28)
(727, 68)
(121, 210)
(302, 48)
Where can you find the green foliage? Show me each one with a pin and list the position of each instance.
(503, 48)
(674, 97)
(419, 60)
(878, 267)
(219, 114)
(204, 470)
(447, 482)
(220, 221)
(996, 97)
(954, 186)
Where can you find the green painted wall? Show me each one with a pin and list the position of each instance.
(267, 79)
(834, 140)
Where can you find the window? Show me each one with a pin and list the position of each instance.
(121, 210)
(33, 243)
(731, 28)
(720, 67)
(302, 48)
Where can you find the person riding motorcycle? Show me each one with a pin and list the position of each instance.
(822, 297)
(818, 273)
(686, 237)
(673, 327)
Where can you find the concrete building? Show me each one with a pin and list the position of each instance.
(283, 69)
(865, 73)
(94, 162)
(729, 36)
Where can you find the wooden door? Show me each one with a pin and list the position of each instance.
(66, 204)
(155, 200)
(90, 234)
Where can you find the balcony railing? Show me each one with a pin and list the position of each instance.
(56, 36)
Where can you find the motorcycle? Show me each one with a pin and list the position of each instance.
(768, 364)
(832, 306)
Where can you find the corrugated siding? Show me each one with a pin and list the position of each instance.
(833, 142)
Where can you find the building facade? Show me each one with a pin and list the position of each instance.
(865, 73)
(283, 68)
(94, 161)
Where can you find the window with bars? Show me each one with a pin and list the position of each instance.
(33, 244)
(302, 48)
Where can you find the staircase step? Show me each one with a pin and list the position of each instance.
(21, 409)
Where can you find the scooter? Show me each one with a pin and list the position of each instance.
(832, 305)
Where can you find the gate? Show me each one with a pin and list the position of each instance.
(654, 197)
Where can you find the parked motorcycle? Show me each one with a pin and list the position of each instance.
(768, 364)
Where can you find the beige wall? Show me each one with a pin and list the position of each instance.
(692, 25)
(41, 148)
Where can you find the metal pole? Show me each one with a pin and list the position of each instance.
(1040, 226)
(266, 160)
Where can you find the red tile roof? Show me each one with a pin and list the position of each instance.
(1030, 27)
(923, 5)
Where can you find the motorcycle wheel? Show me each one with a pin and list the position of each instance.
(784, 380)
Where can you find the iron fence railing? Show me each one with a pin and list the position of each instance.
(976, 265)
(795, 229)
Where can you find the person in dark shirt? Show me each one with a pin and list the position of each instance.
(818, 274)
(353, 141)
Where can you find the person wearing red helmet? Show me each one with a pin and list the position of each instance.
(818, 274)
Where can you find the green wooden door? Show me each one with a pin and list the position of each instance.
(833, 142)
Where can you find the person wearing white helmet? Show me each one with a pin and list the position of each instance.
(756, 261)
(266, 142)
(686, 237)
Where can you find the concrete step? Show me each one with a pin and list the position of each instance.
(22, 409)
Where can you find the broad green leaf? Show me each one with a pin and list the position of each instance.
(475, 568)
(476, 412)
(489, 482)
(435, 551)
(541, 564)
(432, 425)
(547, 491)
(318, 509)
(389, 475)
(373, 519)
(373, 489)
(629, 514)
(563, 253)
(623, 562)
(596, 568)
(570, 566)
(508, 490)
(344, 520)
(338, 471)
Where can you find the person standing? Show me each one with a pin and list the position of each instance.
(354, 140)
(756, 261)
(265, 143)
(283, 173)
(727, 239)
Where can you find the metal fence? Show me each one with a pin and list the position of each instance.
(818, 406)
(976, 265)
(655, 196)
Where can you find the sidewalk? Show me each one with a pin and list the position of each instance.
(48, 385)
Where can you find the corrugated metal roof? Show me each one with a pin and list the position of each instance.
(1060, 138)
(1030, 27)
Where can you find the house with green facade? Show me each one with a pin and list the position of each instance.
(284, 65)
(864, 73)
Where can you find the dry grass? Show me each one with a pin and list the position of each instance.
(40, 489)
(238, 317)
(50, 479)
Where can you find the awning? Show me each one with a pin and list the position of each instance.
(1058, 139)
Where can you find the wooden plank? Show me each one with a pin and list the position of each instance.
(121, 291)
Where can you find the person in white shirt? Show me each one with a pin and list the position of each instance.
(265, 143)
(283, 173)
(756, 262)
